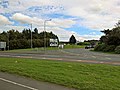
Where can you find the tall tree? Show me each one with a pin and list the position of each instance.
(106, 32)
(36, 31)
(72, 40)
(112, 37)
(20, 40)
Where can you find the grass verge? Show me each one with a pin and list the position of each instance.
(73, 46)
(37, 50)
(77, 75)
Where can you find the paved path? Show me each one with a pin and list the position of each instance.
(13, 82)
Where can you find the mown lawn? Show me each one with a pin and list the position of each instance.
(73, 46)
(36, 50)
(77, 75)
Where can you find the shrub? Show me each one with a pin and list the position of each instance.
(109, 48)
(100, 47)
(117, 49)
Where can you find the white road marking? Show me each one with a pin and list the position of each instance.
(101, 62)
(4, 55)
(79, 60)
(94, 56)
(18, 84)
(108, 58)
(70, 53)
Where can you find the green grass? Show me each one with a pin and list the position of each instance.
(33, 50)
(77, 75)
(73, 46)
(36, 50)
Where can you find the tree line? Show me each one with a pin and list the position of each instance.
(21, 40)
(110, 42)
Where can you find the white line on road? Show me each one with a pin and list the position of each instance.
(108, 58)
(18, 84)
(4, 55)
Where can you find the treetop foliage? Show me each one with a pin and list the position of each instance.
(110, 42)
(111, 37)
(18, 40)
(72, 40)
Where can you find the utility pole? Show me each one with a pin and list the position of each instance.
(31, 37)
(45, 33)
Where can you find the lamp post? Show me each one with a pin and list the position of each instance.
(8, 40)
(45, 32)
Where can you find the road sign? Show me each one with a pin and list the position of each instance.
(53, 42)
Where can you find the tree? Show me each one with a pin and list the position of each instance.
(26, 34)
(35, 34)
(106, 32)
(72, 40)
(36, 31)
(111, 37)
(21, 40)
(110, 40)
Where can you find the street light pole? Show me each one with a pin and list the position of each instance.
(45, 33)
(8, 40)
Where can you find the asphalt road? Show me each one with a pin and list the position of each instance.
(77, 55)
(14, 82)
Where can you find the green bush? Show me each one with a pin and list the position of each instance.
(109, 48)
(105, 48)
(117, 49)
(100, 47)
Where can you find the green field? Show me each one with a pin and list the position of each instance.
(36, 50)
(73, 46)
(77, 75)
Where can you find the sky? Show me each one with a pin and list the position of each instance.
(82, 18)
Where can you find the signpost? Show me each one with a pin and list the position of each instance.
(2, 45)
(53, 42)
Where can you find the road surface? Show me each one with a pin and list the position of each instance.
(77, 55)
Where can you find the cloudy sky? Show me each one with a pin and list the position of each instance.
(82, 18)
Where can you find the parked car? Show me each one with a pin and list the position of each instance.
(87, 47)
